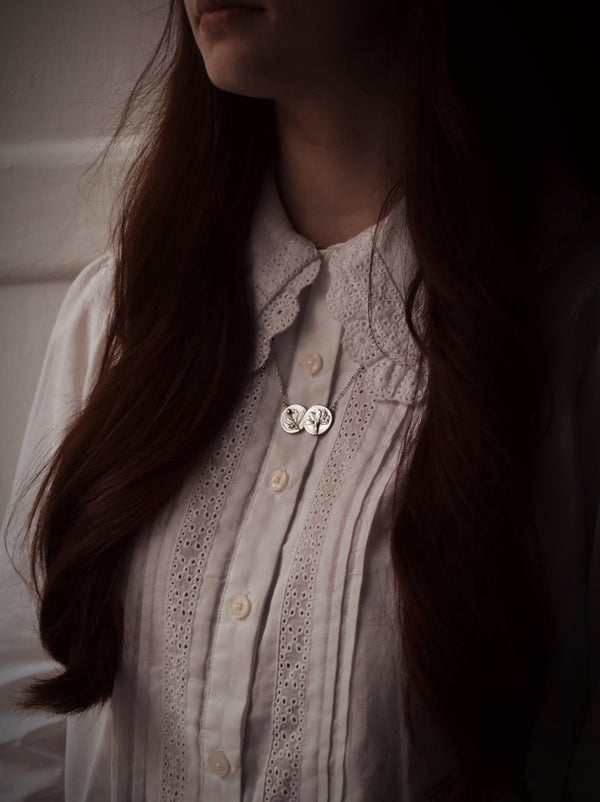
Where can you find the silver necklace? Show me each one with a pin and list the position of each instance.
(314, 420)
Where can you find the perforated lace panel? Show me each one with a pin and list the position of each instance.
(191, 551)
(367, 298)
(284, 263)
(283, 771)
(282, 309)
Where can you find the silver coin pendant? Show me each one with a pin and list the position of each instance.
(318, 419)
(292, 418)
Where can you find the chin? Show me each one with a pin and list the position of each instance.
(235, 74)
(237, 64)
(236, 84)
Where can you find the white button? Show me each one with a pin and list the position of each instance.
(219, 764)
(240, 607)
(278, 480)
(313, 363)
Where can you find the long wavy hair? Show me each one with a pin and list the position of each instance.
(180, 342)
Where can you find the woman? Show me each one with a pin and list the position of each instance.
(317, 521)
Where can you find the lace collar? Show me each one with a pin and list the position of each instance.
(375, 332)
(283, 264)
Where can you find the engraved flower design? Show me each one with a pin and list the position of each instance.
(317, 418)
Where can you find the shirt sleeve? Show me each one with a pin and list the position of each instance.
(32, 744)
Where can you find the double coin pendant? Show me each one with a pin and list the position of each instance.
(315, 420)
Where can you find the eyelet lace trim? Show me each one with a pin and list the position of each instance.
(284, 263)
(370, 307)
(281, 307)
(283, 769)
(188, 564)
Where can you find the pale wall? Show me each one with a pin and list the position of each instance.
(65, 68)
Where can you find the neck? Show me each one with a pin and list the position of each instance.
(338, 157)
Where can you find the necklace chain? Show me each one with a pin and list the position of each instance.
(335, 401)
(315, 420)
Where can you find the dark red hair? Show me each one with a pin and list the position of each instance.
(177, 358)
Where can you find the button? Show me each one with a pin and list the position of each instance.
(219, 764)
(313, 363)
(278, 480)
(240, 607)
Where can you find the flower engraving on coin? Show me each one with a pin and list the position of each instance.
(292, 418)
(317, 420)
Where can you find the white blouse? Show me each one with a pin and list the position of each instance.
(261, 656)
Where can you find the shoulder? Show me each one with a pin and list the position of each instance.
(89, 298)
(79, 335)
(72, 362)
